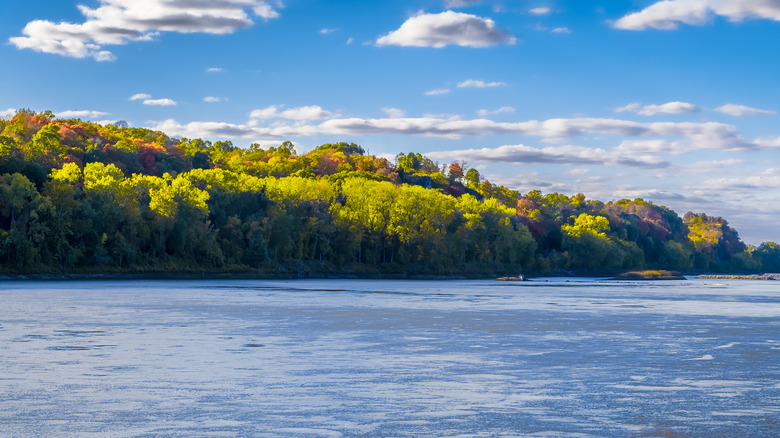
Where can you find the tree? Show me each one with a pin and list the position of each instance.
(455, 172)
(769, 253)
(472, 178)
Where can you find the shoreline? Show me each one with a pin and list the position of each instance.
(740, 277)
(347, 275)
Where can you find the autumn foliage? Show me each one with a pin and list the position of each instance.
(77, 196)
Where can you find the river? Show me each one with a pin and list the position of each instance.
(550, 357)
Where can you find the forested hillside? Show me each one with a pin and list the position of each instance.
(82, 197)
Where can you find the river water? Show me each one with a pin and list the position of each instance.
(547, 358)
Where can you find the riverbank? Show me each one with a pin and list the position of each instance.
(231, 276)
(289, 274)
(650, 275)
(741, 277)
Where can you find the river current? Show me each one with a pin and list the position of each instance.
(547, 358)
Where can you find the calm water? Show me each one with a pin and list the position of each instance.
(390, 358)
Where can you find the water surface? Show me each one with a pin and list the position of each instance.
(390, 358)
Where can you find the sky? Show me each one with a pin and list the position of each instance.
(676, 101)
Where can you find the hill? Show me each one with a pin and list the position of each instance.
(81, 197)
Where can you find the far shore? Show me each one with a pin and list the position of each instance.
(741, 277)
(301, 275)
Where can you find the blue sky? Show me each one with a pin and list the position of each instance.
(674, 101)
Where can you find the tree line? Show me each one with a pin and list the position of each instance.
(77, 196)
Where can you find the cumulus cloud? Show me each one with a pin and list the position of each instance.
(696, 136)
(651, 139)
(206, 129)
(214, 70)
(667, 108)
(769, 179)
(160, 102)
(668, 14)
(447, 28)
(212, 99)
(116, 22)
(326, 31)
(471, 83)
(742, 110)
(394, 113)
(147, 100)
(7, 114)
(561, 30)
(79, 114)
(540, 11)
(768, 142)
(140, 96)
(568, 154)
(311, 112)
(437, 92)
(503, 109)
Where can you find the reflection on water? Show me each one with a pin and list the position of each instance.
(390, 358)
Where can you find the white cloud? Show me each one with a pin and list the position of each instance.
(708, 167)
(311, 112)
(650, 139)
(212, 99)
(79, 114)
(394, 113)
(579, 172)
(567, 154)
(630, 108)
(447, 28)
(326, 31)
(540, 11)
(7, 114)
(769, 179)
(742, 110)
(666, 108)
(698, 168)
(503, 109)
(695, 136)
(147, 100)
(116, 22)
(105, 122)
(437, 92)
(140, 96)
(471, 83)
(459, 3)
(669, 108)
(214, 70)
(561, 30)
(207, 130)
(768, 142)
(265, 113)
(668, 14)
(160, 102)
(350, 41)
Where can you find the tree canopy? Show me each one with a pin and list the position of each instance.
(77, 196)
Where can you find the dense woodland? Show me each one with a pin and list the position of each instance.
(79, 197)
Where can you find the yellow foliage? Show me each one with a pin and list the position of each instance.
(70, 172)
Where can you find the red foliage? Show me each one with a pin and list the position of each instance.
(147, 155)
(176, 153)
(37, 122)
(524, 205)
(71, 133)
(328, 164)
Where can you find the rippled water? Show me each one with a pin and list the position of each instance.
(390, 358)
